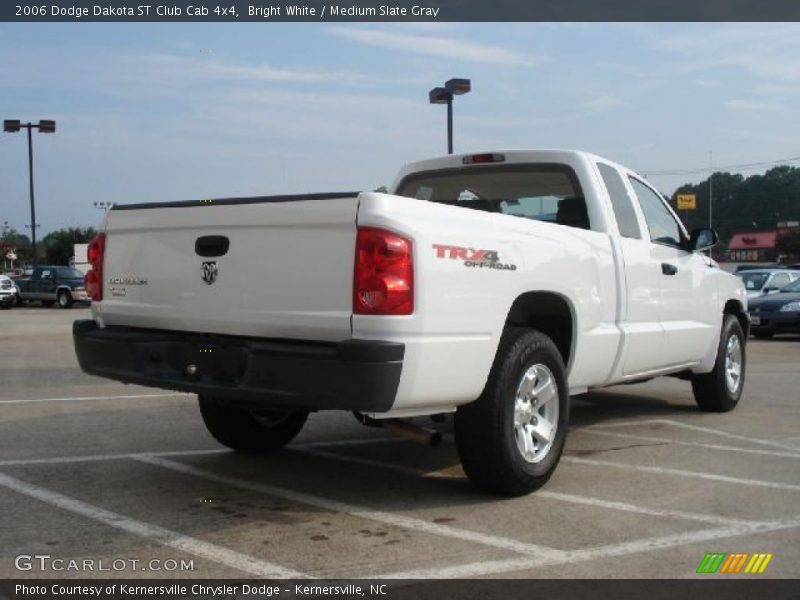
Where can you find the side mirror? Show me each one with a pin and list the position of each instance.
(769, 290)
(702, 239)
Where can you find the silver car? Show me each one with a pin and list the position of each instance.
(8, 292)
(765, 281)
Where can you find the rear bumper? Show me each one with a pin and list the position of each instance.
(359, 375)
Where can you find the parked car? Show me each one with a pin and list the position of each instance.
(53, 284)
(494, 286)
(766, 280)
(8, 292)
(776, 313)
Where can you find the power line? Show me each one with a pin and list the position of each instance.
(721, 167)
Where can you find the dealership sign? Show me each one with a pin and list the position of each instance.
(687, 202)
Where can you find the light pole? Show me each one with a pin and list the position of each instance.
(45, 126)
(444, 95)
(103, 205)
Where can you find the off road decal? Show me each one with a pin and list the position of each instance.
(482, 259)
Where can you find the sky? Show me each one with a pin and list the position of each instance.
(160, 111)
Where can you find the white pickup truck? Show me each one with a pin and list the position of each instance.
(491, 285)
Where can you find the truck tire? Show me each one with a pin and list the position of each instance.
(511, 438)
(247, 430)
(64, 299)
(721, 389)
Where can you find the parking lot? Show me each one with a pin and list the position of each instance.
(91, 470)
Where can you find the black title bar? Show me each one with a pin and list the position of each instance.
(399, 10)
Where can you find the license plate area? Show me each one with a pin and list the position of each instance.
(218, 363)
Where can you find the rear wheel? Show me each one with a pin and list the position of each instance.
(721, 389)
(64, 299)
(249, 430)
(511, 438)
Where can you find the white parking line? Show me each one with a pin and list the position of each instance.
(683, 473)
(103, 457)
(585, 500)
(600, 552)
(648, 438)
(719, 432)
(85, 398)
(362, 512)
(209, 551)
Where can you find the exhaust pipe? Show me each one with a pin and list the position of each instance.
(403, 428)
(414, 433)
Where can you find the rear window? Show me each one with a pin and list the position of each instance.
(542, 192)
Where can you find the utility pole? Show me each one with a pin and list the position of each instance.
(444, 95)
(44, 126)
(710, 189)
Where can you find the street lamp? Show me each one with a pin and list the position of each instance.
(44, 126)
(103, 205)
(444, 95)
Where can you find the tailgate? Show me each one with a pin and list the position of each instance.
(287, 271)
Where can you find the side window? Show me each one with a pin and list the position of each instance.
(46, 274)
(780, 280)
(663, 227)
(620, 202)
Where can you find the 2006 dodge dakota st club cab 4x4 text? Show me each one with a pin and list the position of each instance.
(493, 285)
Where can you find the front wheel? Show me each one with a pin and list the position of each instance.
(250, 430)
(511, 438)
(721, 389)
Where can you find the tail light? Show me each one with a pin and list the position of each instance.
(93, 281)
(383, 282)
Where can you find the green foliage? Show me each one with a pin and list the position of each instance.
(59, 244)
(789, 243)
(10, 236)
(757, 202)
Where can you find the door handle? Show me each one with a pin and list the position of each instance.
(668, 269)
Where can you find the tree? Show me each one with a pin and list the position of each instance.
(789, 244)
(59, 244)
(758, 202)
(10, 237)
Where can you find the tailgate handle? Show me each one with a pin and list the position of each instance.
(212, 245)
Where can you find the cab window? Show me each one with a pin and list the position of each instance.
(542, 192)
(620, 201)
(664, 229)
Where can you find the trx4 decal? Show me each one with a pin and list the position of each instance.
(473, 258)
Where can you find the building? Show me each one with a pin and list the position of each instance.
(754, 246)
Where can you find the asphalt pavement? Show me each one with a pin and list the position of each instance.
(124, 481)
